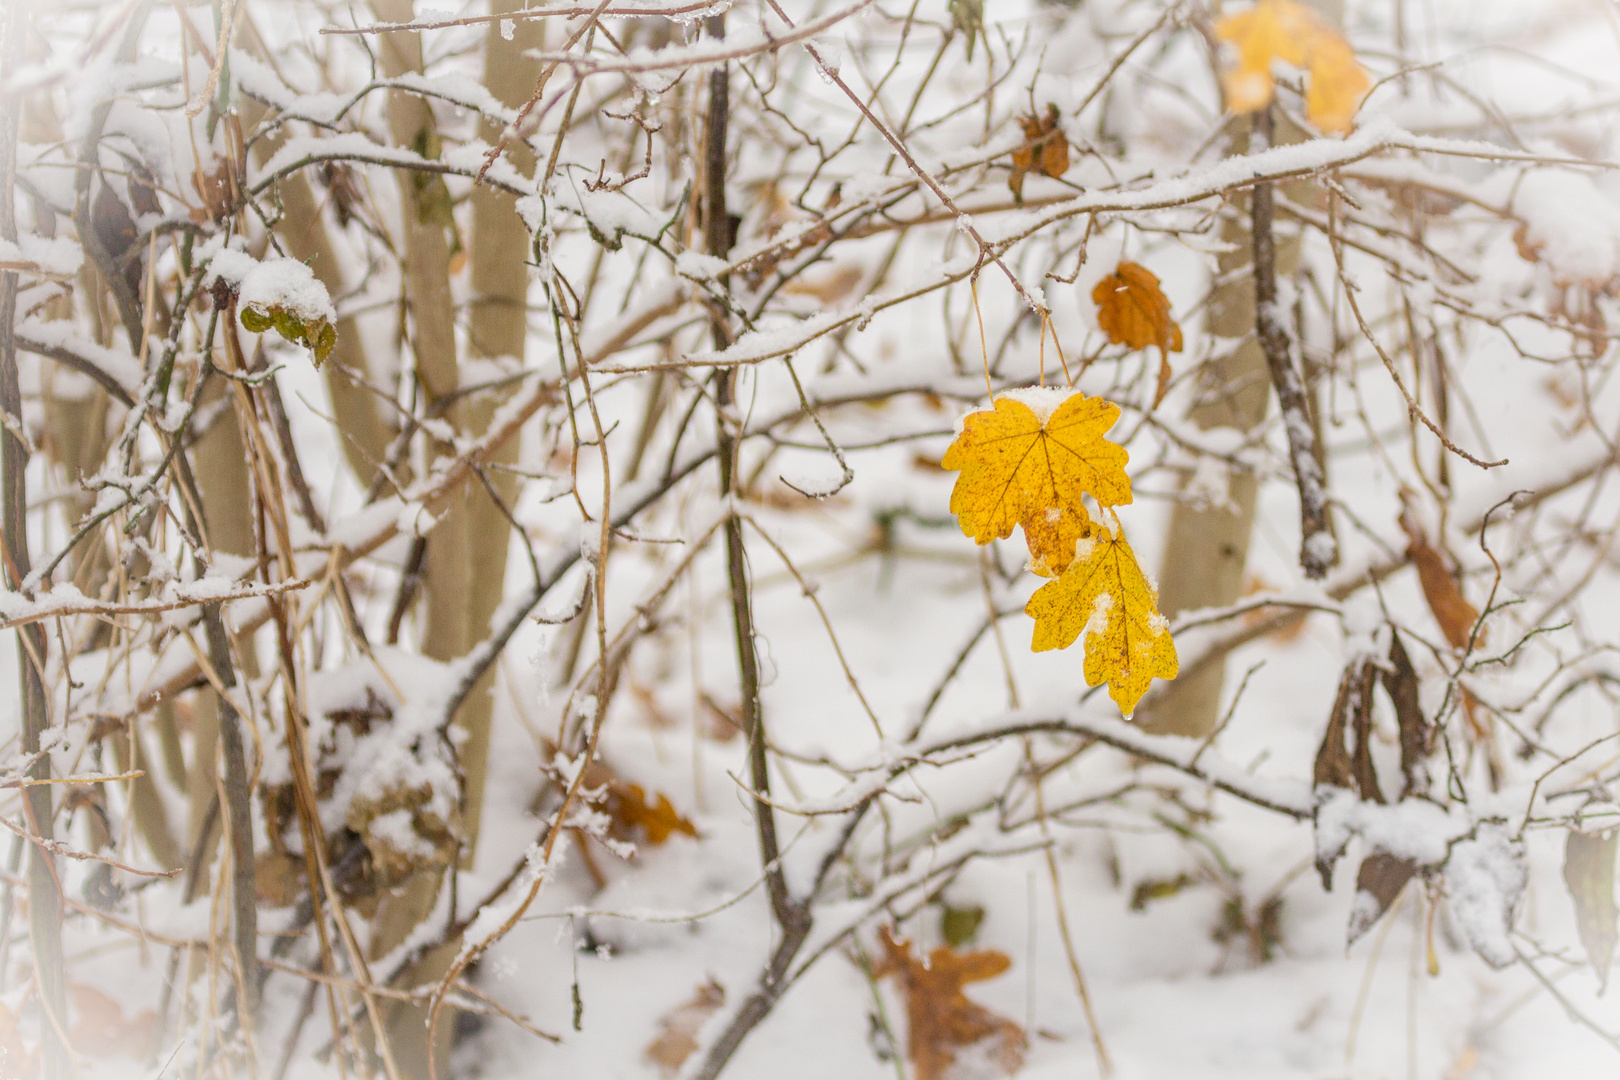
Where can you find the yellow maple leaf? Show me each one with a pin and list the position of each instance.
(1133, 311)
(1021, 468)
(1105, 596)
(1337, 84)
(1288, 31)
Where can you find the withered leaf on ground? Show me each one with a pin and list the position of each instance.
(1379, 881)
(940, 1019)
(678, 1028)
(1589, 875)
(626, 804)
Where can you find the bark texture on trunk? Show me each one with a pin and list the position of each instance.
(465, 566)
(44, 889)
(1208, 546)
(497, 328)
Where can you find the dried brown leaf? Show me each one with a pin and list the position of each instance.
(1361, 762)
(1338, 765)
(678, 1028)
(1045, 149)
(941, 1019)
(627, 805)
(1334, 765)
(1417, 734)
(1452, 610)
(1379, 881)
(1133, 311)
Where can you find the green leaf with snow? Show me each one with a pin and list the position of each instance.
(317, 335)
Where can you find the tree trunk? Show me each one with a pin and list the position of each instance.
(465, 566)
(497, 328)
(44, 889)
(1208, 546)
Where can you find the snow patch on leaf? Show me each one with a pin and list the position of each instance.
(1485, 880)
(1043, 401)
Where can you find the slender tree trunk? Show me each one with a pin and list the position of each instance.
(1208, 546)
(497, 329)
(44, 888)
(465, 565)
(425, 253)
(225, 484)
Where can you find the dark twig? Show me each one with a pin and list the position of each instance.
(239, 818)
(1317, 546)
(792, 915)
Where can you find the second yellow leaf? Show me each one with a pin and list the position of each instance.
(1105, 596)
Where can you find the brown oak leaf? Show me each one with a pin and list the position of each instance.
(940, 1019)
(1045, 150)
(678, 1028)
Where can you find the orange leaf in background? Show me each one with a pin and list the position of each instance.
(678, 1028)
(1046, 139)
(1133, 311)
(102, 1029)
(628, 806)
(1288, 31)
(1452, 610)
(940, 1019)
(1104, 596)
(1020, 468)
(16, 1058)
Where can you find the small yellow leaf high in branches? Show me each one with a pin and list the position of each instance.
(1105, 596)
(1028, 468)
(1288, 31)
